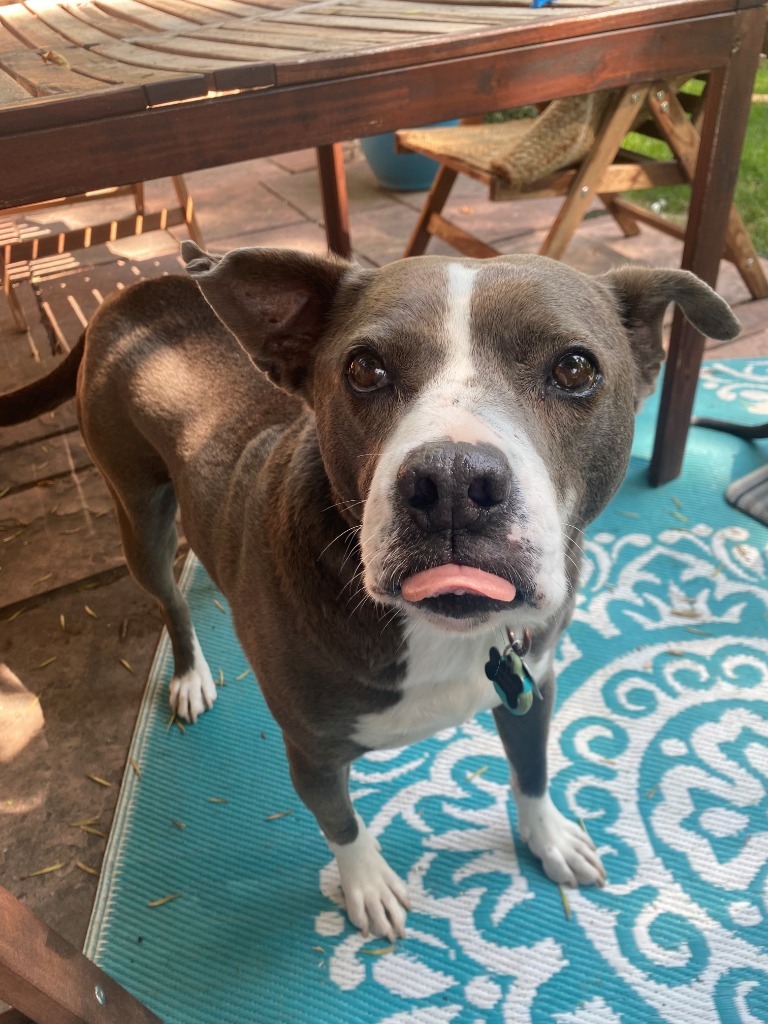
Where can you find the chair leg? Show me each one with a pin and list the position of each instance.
(51, 982)
(187, 204)
(435, 201)
(684, 140)
(586, 182)
(19, 320)
(138, 196)
(627, 223)
(740, 250)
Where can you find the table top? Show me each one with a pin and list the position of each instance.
(78, 60)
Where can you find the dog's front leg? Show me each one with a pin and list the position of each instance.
(566, 851)
(376, 898)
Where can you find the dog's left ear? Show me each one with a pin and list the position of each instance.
(275, 301)
(642, 295)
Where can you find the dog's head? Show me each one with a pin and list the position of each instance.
(472, 415)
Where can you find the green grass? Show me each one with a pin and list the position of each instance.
(752, 184)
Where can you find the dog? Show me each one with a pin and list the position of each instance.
(387, 472)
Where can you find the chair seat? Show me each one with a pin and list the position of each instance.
(522, 152)
(474, 146)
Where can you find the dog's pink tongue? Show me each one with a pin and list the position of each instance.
(456, 579)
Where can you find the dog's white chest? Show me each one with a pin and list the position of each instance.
(444, 686)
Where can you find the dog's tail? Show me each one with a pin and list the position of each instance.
(750, 432)
(45, 394)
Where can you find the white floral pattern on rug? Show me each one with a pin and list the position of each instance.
(738, 381)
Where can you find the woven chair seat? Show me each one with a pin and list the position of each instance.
(476, 145)
(520, 152)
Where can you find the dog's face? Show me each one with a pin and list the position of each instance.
(477, 411)
(472, 415)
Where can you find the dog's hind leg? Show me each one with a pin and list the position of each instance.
(376, 898)
(147, 520)
(566, 851)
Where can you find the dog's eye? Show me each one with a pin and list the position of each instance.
(574, 372)
(366, 372)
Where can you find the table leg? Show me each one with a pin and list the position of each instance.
(50, 981)
(333, 185)
(723, 129)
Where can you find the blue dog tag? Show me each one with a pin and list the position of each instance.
(512, 680)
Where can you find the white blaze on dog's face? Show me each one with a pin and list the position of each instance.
(482, 413)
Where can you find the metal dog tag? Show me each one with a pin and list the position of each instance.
(510, 675)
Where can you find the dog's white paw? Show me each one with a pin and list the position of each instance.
(194, 692)
(376, 898)
(566, 852)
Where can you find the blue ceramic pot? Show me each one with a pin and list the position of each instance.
(402, 172)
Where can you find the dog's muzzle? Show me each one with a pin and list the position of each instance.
(455, 501)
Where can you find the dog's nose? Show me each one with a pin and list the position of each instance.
(453, 486)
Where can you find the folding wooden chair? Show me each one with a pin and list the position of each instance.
(18, 251)
(548, 156)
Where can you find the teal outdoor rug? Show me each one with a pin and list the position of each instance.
(660, 745)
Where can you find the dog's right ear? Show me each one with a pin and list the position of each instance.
(642, 294)
(275, 301)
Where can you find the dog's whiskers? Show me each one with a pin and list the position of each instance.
(357, 576)
(344, 506)
(350, 529)
(389, 618)
(360, 603)
(406, 636)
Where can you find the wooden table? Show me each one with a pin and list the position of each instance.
(95, 94)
